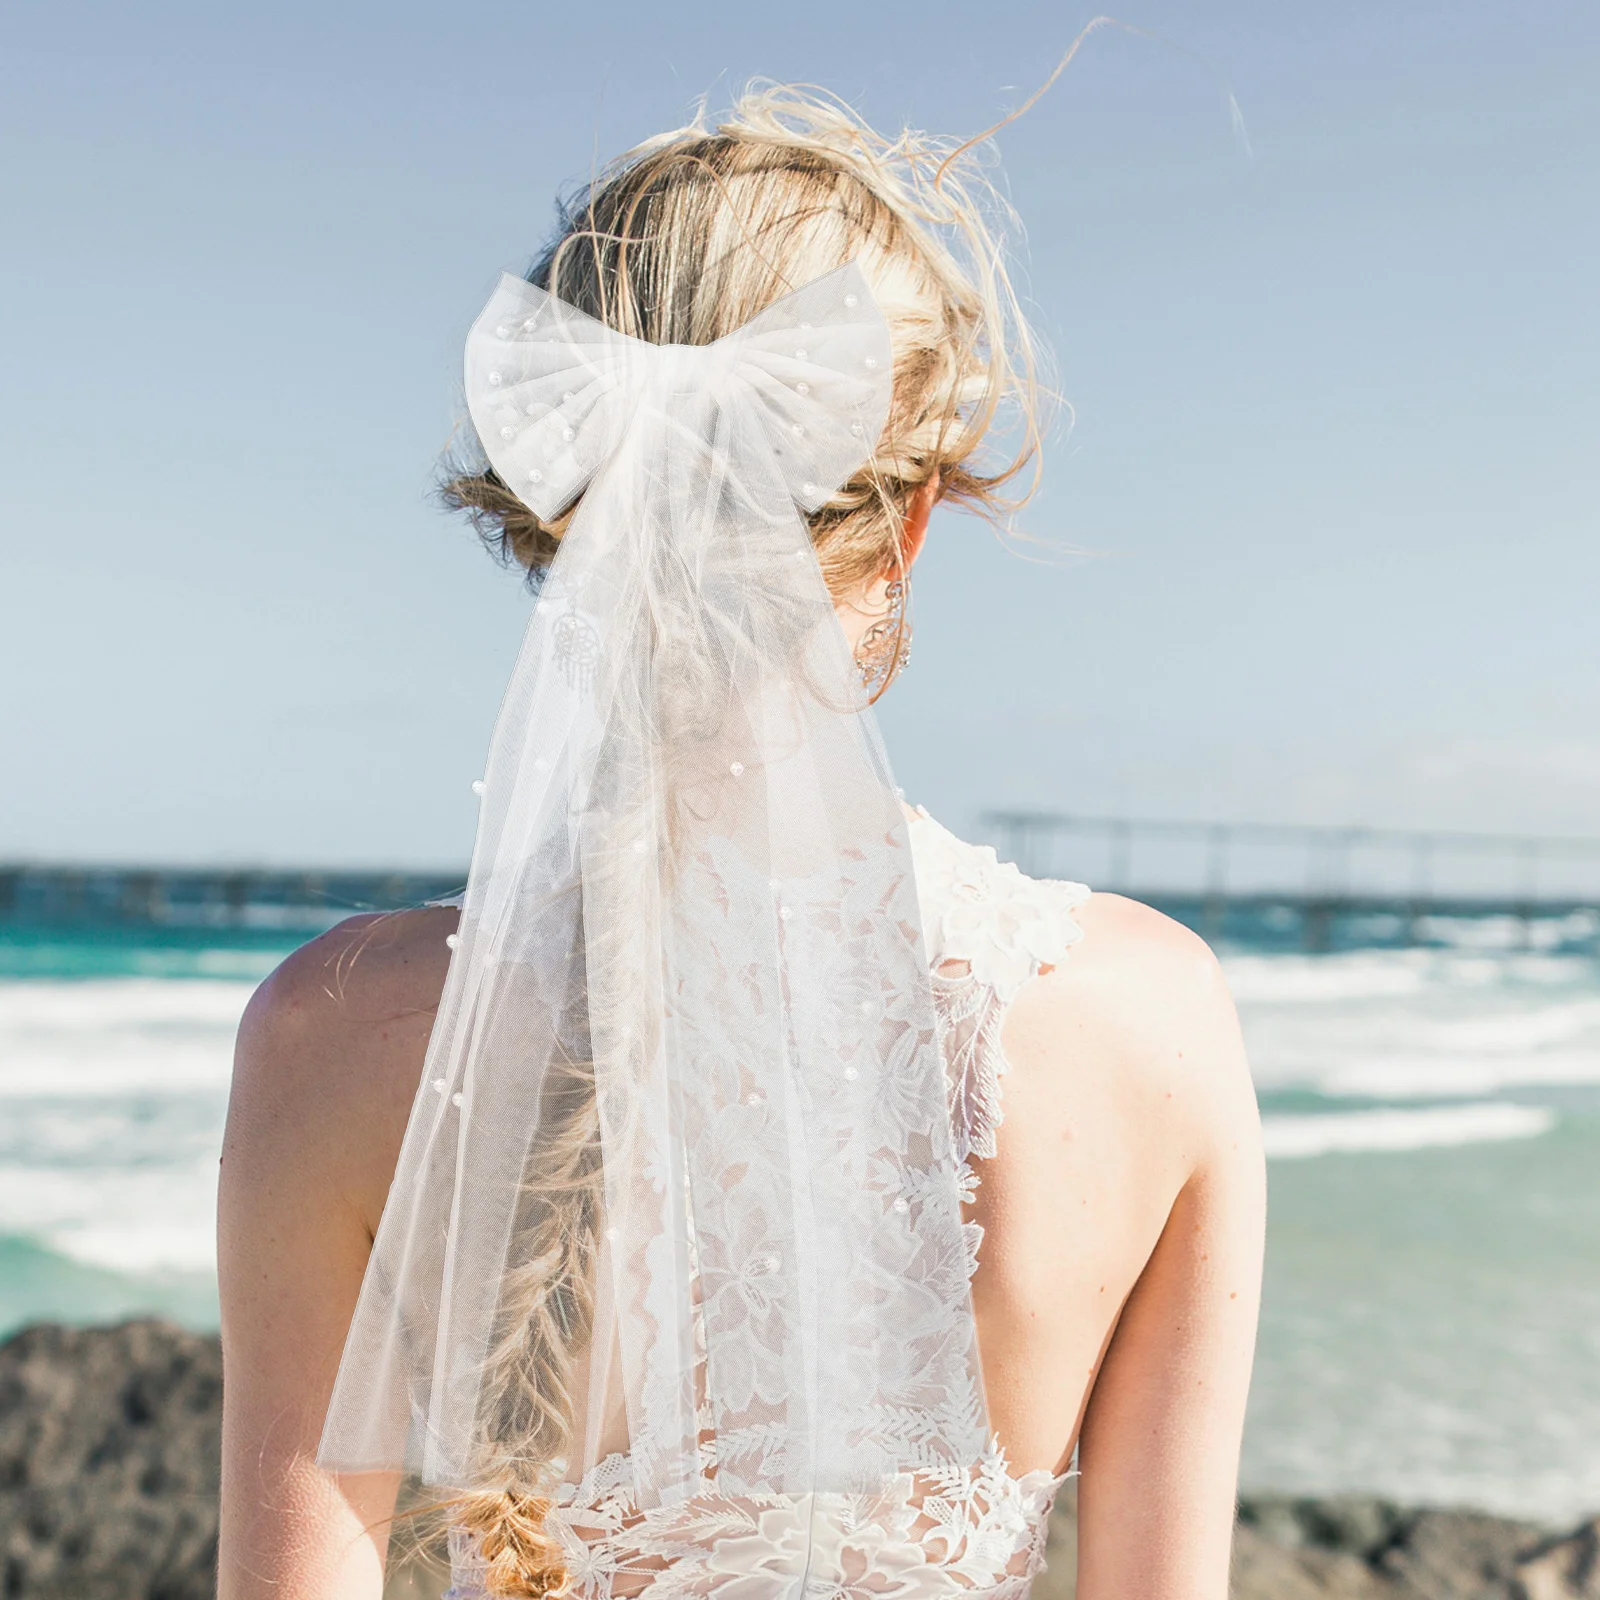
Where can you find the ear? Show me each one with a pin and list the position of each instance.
(918, 509)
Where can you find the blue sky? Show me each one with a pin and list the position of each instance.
(1320, 542)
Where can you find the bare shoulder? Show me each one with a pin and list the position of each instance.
(1146, 1041)
(1139, 1015)
(1142, 961)
(331, 1048)
(330, 1051)
(1127, 1098)
(366, 969)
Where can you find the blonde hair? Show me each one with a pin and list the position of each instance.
(694, 232)
(681, 241)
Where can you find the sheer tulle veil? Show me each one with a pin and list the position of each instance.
(691, 896)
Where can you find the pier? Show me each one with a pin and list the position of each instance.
(242, 898)
(1282, 885)
(1319, 888)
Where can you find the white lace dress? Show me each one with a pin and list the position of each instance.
(989, 929)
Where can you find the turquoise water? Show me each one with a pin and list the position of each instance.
(115, 1049)
(1431, 1318)
(1431, 1322)
(134, 952)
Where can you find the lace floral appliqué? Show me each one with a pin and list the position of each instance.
(917, 1540)
(955, 1536)
(988, 929)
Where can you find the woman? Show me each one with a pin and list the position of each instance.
(662, 1294)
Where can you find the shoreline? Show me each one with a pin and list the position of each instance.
(109, 1467)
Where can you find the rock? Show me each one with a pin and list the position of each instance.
(109, 1447)
(110, 1438)
(1358, 1525)
(1563, 1568)
(1262, 1569)
(1361, 1547)
(1459, 1555)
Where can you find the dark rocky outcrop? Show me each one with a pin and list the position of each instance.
(1358, 1547)
(109, 1448)
(109, 1442)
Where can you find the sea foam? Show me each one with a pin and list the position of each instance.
(117, 1036)
(1392, 1129)
(114, 1093)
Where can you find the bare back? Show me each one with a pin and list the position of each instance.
(1120, 1193)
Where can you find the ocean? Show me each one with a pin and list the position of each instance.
(1431, 1321)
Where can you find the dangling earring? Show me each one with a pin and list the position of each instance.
(885, 647)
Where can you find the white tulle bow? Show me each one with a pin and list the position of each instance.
(684, 1108)
(552, 392)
